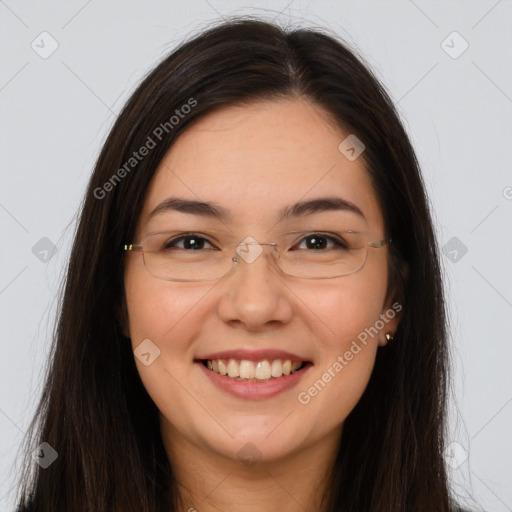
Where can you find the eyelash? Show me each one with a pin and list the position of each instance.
(336, 241)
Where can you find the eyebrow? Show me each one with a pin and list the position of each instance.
(214, 210)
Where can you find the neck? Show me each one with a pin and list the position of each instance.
(210, 482)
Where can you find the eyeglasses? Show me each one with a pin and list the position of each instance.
(326, 256)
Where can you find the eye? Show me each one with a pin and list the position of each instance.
(317, 241)
(190, 241)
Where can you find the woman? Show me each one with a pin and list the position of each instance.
(253, 315)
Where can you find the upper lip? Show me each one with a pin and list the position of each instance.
(253, 355)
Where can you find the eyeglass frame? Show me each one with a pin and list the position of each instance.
(139, 247)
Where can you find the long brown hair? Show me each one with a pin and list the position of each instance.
(94, 410)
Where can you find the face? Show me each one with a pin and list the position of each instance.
(254, 162)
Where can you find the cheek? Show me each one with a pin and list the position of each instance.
(349, 310)
(165, 313)
(154, 305)
(351, 306)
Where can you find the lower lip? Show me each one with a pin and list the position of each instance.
(255, 390)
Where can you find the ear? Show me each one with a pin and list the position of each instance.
(393, 306)
(390, 317)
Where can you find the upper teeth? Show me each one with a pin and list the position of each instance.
(261, 370)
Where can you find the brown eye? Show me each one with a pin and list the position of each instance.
(191, 241)
(316, 241)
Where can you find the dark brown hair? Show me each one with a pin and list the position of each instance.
(94, 410)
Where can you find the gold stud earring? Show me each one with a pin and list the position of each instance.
(389, 336)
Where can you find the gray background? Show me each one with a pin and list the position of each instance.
(55, 112)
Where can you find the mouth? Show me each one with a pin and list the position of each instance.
(244, 370)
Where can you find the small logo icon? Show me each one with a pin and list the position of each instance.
(454, 45)
(507, 192)
(44, 45)
(248, 454)
(146, 352)
(44, 250)
(44, 455)
(454, 249)
(455, 455)
(351, 147)
(249, 249)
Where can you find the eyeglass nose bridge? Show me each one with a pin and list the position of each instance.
(250, 257)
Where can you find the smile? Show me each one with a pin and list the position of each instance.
(253, 371)
(253, 374)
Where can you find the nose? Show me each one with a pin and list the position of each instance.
(256, 295)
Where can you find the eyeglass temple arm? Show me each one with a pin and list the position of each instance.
(380, 243)
(133, 247)
(377, 244)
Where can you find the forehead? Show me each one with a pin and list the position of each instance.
(256, 160)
